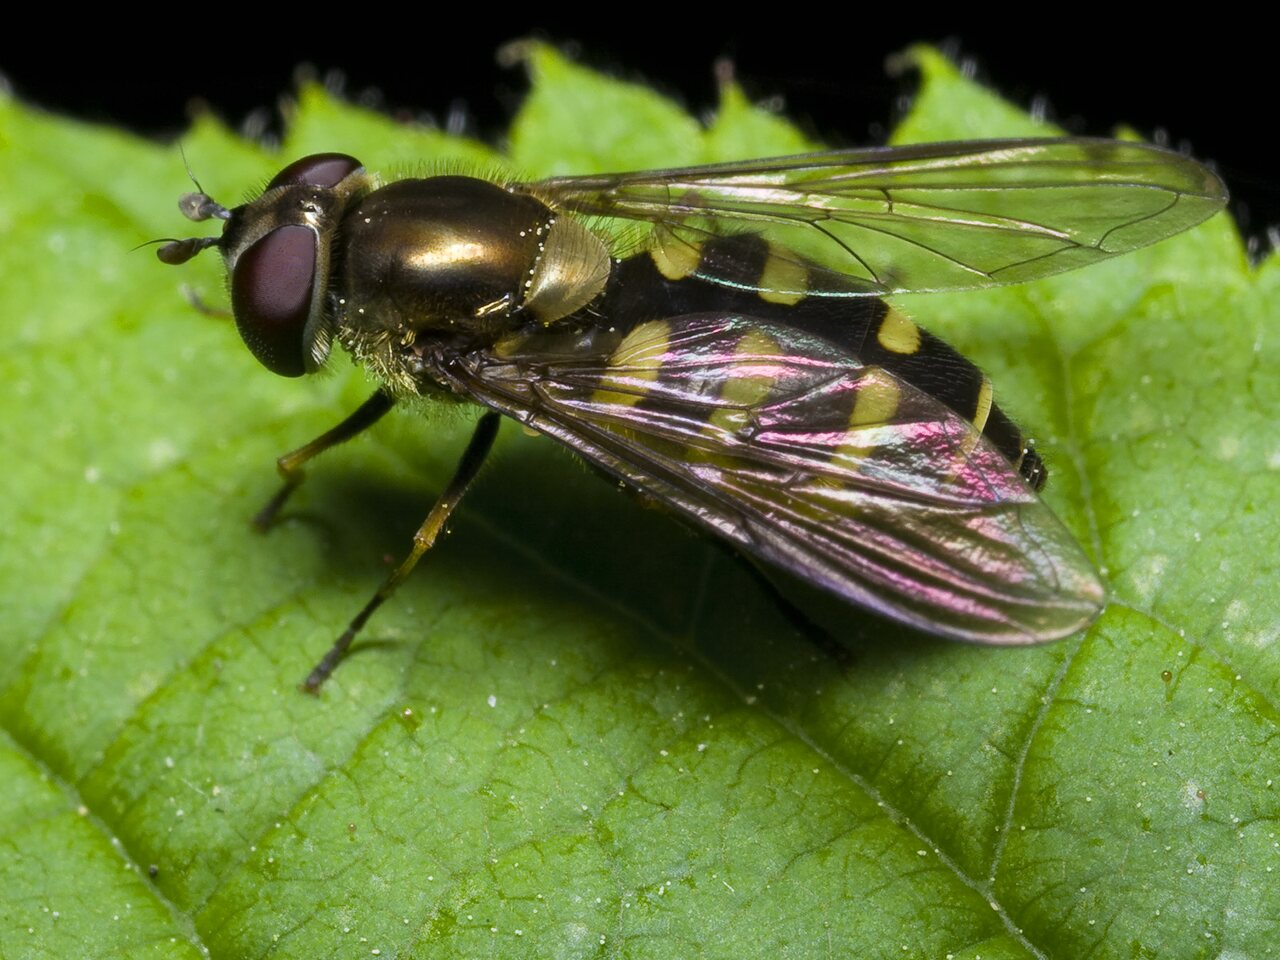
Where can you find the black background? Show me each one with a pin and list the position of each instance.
(1206, 86)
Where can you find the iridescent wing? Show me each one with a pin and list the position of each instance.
(936, 216)
(787, 447)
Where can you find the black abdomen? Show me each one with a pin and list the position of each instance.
(650, 287)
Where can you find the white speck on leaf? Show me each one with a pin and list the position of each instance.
(1192, 796)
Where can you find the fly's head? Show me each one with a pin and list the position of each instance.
(278, 251)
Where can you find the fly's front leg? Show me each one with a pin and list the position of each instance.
(423, 540)
(291, 464)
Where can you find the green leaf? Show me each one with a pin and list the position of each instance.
(579, 730)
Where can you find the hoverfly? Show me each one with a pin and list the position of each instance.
(761, 388)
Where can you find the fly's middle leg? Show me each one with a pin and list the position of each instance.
(423, 540)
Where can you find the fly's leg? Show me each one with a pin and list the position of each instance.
(423, 540)
(291, 464)
(796, 618)
(204, 306)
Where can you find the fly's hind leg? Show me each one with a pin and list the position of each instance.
(801, 622)
(423, 540)
(291, 464)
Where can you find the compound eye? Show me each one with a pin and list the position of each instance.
(271, 292)
(317, 170)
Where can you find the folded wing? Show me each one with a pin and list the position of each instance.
(789, 448)
(935, 216)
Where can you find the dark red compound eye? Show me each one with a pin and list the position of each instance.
(317, 170)
(271, 291)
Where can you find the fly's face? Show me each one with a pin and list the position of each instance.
(278, 250)
(762, 390)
